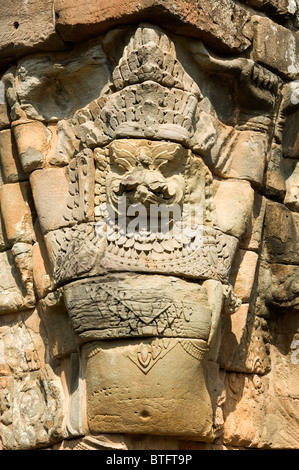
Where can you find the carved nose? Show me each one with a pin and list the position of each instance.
(131, 182)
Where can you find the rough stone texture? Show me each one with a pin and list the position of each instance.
(276, 47)
(27, 26)
(11, 168)
(191, 18)
(278, 8)
(120, 330)
(147, 415)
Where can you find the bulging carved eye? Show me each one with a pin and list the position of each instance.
(122, 156)
(123, 165)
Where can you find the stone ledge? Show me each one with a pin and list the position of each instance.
(276, 47)
(27, 27)
(76, 22)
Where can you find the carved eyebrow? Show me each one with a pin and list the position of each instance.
(166, 154)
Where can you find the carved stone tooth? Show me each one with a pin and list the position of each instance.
(121, 241)
(185, 240)
(167, 246)
(121, 252)
(129, 243)
(152, 236)
(176, 243)
(157, 247)
(114, 249)
(138, 246)
(186, 250)
(146, 246)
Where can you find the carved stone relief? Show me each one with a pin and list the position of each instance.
(144, 167)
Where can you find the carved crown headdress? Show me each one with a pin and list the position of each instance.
(151, 96)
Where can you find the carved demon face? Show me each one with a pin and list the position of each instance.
(146, 173)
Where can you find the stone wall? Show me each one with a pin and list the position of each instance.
(193, 102)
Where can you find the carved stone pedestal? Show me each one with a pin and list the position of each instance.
(144, 362)
(148, 386)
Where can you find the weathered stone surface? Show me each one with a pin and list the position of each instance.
(60, 336)
(41, 270)
(50, 189)
(252, 237)
(11, 168)
(243, 155)
(16, 208)
(4, 245)
(183, 312)
(257, 418)
(27, 26)
(275, 47)
(53, 86)
(12, 295)
(4, 112)
(189, 18)
(290, 140)
(30, 394)
(142, 369)
(278, 288)
(234, 202)
(243, 273)
(281, 234)
(282, 8)
(275, 178)
(33, 143)
(243, 347)
(291, 199)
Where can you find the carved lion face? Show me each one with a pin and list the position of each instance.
(146, 173)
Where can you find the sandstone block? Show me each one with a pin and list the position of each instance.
(41, 270)
(33, 143)
(170, 307)
(50, 189)
(280, 242)
(11, 295)
(275, 179)
(4, 245)
(248, 157)
(142, 383)
(255, 417)
(74, 252)
(252, 236)
(291, 199)
(278, 288)
(290, 139)
(239, 154)
(32, 426)
(12, 170)
(277, 8)
(27, 26)
(242, 347)
(4, 114)
(276, 47)
(60, 336)
(191, 18)
(284, 357)
(16, 212)
(55, 85)
(243, 273)
(234, 201)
